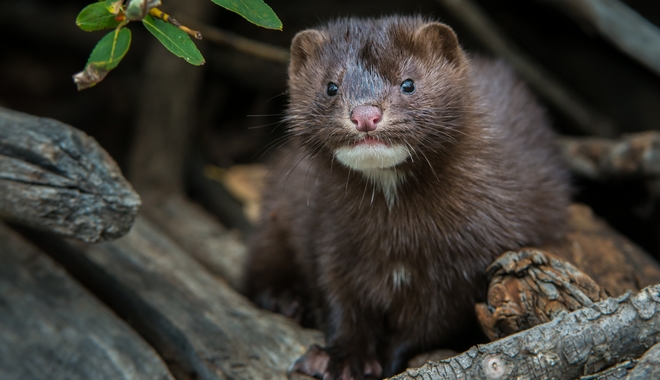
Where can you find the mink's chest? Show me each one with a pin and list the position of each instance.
(385, 257)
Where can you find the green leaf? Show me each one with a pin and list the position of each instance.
(174, 39)
(96, 17)
(255, 11)
(111, 49)
(106, 56)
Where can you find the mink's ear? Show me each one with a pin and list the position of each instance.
(438, 39)
(304, 46)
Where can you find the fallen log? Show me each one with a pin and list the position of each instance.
(532, 286)
(197, 323)
(580, 343)
(56, 178)
(200, 235)
(635, 156)
(529, 287)
(188, 315)
(647, 366)
(612, 260)
(52, 328)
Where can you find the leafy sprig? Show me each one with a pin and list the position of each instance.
(114, 14)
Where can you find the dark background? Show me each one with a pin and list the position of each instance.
(241, 98)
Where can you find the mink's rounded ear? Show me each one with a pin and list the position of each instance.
(304, 45)
(436, 39)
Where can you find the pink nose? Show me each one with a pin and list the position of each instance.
(365, 118)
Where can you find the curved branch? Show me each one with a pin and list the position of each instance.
(625, 28)
(567, 102)
(582, 342)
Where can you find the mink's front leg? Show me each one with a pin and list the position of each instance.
(273, 280)
(350, 353)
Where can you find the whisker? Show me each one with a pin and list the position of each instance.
(277, 144)
(267, 115)
(284, 93)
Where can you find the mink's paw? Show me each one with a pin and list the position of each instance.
(314, 363)
(284, 303)
(319, 364)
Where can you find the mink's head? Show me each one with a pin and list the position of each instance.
(375, 93)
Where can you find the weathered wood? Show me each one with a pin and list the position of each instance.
(529, 287)
(611, 259)
(580, 343)
(57, 178)
(52, 328)
(632, 156)
(617, 372)
(532, 286)
(200, 235)
(194, 320)
(648, 365)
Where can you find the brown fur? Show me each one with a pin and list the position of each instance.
(483, 178)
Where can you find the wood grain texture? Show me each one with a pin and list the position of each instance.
(52, 328)
(219, 250)
(56, 178)
(532, 286)
(580, 343)
(609, 258)
(195, 321)
(647, 367)
(632, 156)
(529, 287)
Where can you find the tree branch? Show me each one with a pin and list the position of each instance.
(625, 28)
(538, 78)
(580, 343)
(56, 178)
(632, 156)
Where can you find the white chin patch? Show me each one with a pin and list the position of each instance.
(377, 163)
(369, 157)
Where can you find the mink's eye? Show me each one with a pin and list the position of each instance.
(332, 89)
(408, 86)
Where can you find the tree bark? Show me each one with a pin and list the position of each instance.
(612, 260)
(56, 178)
(199, 234)
(195, 321)
(529, 287)
(647, 367)
(52, 328)
(532, 286)
(635, 156)
(580, 343)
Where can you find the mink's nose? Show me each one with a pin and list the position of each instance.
(365, 118)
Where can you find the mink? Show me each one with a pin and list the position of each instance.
(410, 167)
